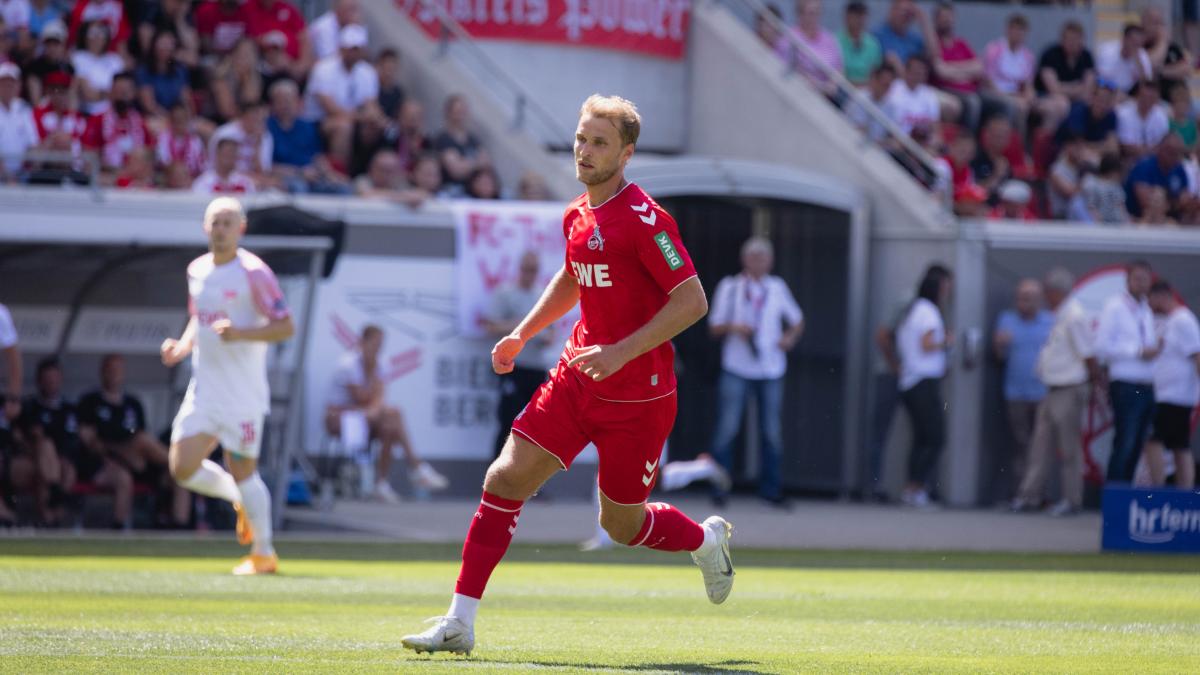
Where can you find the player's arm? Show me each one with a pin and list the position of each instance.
(173, 351)
(559, 297)
(276, 330)
(685, 306)
(268, 299)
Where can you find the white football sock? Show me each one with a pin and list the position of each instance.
(256, 500)
(709, 543)
(677, 475)
(212, 480)
(464, 607)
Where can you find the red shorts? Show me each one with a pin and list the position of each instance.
(563, 417)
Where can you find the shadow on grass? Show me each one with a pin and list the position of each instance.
(416, 552)
(729, 666)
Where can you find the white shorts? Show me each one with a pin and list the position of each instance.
(239, 434)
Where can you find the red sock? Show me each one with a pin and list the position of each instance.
(668, 529)
(488, 538)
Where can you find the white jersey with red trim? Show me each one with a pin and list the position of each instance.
(232, 376)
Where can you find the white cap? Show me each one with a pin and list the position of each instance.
(10, 69)
(1015, 191)
(352, 36)
(54, 29)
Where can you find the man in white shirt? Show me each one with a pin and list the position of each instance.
(1124, 62)
(323, 31)
(18, 132)
(1065, 365)
(1176, 388)
(1126, 342)
(342, 89)
(911, 102)
(759, 321)
(223, 177)
(1142, 121)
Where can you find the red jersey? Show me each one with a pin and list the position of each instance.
(69, 122)
(116, 136)
(627, 256)
(111, 12)
(221, 24)
(281, 16)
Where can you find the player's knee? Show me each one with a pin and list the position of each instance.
(504, 480)
(620, 526)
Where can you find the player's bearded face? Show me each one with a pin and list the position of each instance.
(599, 153)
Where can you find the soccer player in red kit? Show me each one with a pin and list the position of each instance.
(614, 384)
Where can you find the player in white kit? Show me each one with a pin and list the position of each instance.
(236, 309)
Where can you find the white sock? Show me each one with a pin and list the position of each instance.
(463, 607)
(676, 475)
(212, 480)
(710, 542)
(256, 500)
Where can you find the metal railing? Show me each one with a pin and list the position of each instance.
(924, 161)
(67, 161)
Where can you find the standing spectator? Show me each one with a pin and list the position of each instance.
(1065, 74)
(898, 37)
(96, 67)
(1176, 388)
(1065, 179)
(323, 31)
(921, 345)
(1142, 121)
(18, 132)
(267, 16)
(223, 177)
(1163, 169)
(358, 399)
(1020, 334)
(120, 129)
(10, 399)
(52, 59)
(221, 24)
(42, 13)
(1008, 64)
(956, 69)
(298, 160)
(1065, 365)
(391, 94)
(878, 86)
(255, 145)
(1095, 121)
(758, 321)
(162, 80)
(111, 13)
(911, 102)
(1182, 119)
(459, 150)
(823, 45)
(1124, 62)
(1102, 198)
(1127, 344)
(342, 89)
(237, 78)
(861, 53)
(385, 180)
(509, 304)
(171, 16)
(180, 144)
(1171, 63)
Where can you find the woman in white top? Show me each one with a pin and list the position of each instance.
(921, 343)
(95, 65)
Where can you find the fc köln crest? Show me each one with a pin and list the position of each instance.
(596, 242)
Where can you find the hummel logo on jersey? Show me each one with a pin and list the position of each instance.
(590, 275)
(668, 250)
(595, 241)
(648, 219)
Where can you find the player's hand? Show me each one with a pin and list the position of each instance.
(599, 361)
(742, 329)
(225, 330)
(172, 352)
(505, 353)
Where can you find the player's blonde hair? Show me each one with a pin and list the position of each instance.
(221, 205)
(621, 112)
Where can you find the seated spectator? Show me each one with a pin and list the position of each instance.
(765, 28)
(341, 90)
(177, 177)
(459, 149)
(61, 128)
(357, 408)
(1101, 197)
(1065, 75)
(1095, 121)
(385, 180)
(1142, 121)
(965, 192)
(120, 129)
(1157, 208)
(483, 184)
(162, 81)
(274, 64)
(1182, 119)
(112, 425)
(1008, 65)
(861, 53)
(1171, 63)
(411, 139)
(236, 78)
(427, 175)
(180, 144)
(256, 148)
(109, 12)
(1066, 175)
(138, 172)
(958, 71)
(910, 102)
(878, 86)
(47, 431)
(299, 163)
(171, 16)
(372, 133)
(899, 38)
(267, 16)
(52, 59)
(1124, 62)
(18, 132)
(1013, 199)
(221, 24)
(391, 94)
(42, 13)
(531, 187)
(820, 42)
(223, 177)
(1001, 155)
(1162, 169)
(96, 65)
(323, 31)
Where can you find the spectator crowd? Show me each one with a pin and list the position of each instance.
(1103, 135)
(225, 96)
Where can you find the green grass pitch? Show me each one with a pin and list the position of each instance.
(170, 606)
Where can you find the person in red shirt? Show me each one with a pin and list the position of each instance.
(220, 24)
(111, 12)
(614, 384)
(267, 16)
(958, 71)
(60, 125)
(120, 129)
(1015, 197)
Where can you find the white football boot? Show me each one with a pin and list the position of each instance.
(449, 634)
(716, 565)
